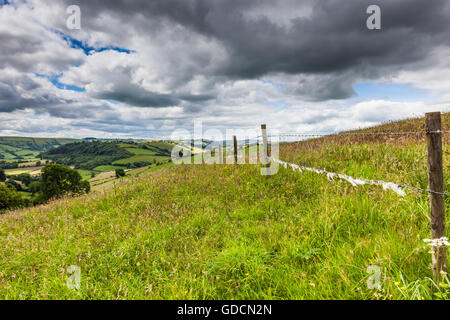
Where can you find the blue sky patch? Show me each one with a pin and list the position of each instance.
(391, 91)
(88, 50)
(4, 3)
(279, 104)
(55, 81)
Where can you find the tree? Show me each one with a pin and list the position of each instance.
(85, 186)
(120, 173)
(34, 187)
(25, 178)
(58, 180)
(2, 175)
(11, 184)
(10, 199)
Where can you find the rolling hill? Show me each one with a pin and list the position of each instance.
(18, 148)
(100, 156)
(227, 232)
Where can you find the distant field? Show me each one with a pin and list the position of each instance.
(139, 152)
(101, 156)
(31, 170)
(24, 147)
(156, 152)
(141, 158)
(106, 168)
(106, 180)
(85, 174)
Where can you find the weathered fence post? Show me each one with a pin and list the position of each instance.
(235, 150)
(266, 148)
(436, 183)
(257, 151)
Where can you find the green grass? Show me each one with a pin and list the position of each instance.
(20, 170)
(138, 151)
(85, 174)
(227, 232)
(25, 195)
(140, 158)
(106, 168)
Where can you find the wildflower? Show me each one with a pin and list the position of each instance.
(397, 283)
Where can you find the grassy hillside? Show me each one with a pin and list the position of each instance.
(87, 155)
(101, 156)
(14, 148)
(226, 232)
(149, 152)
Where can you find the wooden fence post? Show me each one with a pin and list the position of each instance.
(257, 151)
(266, 148)
(436, 183)
(235, 150)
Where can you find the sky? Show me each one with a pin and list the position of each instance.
(147, 68)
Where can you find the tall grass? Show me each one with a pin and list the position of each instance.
(226, 232)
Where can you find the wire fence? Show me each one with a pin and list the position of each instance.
(396, 187)
(436, 184)
(334, 134)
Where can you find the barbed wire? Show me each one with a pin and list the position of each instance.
(424, 190)
(356, 133)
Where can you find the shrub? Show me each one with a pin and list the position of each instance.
(120, 173)
(2, 175)
(25, 178)
(11, 184)
(9, 199)
(58, 180)
(34, 187)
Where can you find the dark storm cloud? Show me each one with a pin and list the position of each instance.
(20, 52)
(333, 39)
(10, 100)
(138, 97)
(41, 101)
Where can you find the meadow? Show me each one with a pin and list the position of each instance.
(227, 232)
